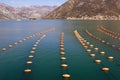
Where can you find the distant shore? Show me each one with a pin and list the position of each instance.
(98, 17)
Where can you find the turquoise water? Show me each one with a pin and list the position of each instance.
(46, 61)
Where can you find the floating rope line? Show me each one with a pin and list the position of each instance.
(31, 52)
(102, 41)
(114, 36)
(27, 38)
(85, 44)
(110, 32)
(65, 74)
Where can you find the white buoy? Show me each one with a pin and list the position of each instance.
(102, 52)
(105, 69)
(98, 61)
(62, 49)
(20, 41)
(10, 46)
(36, 42)
(62, 53)
(63, 58)
(110, 57)
(4, 49)
(83, 44)
(35, 45)
(29, 62)
(85, 47)
(64, 65)
(30, 36)
(87, 43)
(15, 43)
(91, 46)
(88, 50)
(34, 48)
(62, 46)
(27, 70)
(103, 41)
(92, 55)
(24, 39)
(66, 76)
(96, 49)
(31, 56)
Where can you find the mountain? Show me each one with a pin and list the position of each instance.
(31, 12)
(86, 8)
(6, 12)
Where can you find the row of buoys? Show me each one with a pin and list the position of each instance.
(85, 43)
(109, 31)
(32, 52)
(102, 52)
(63, 58)
(108, 34)
(102, 41)
(27, 38)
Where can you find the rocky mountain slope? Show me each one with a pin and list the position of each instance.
(80, 8)
(37, 12)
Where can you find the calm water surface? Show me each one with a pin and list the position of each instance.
(46, 61)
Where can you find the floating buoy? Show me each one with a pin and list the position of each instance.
(102, 53)
(85, 47)
(110, 57)
(103, 41)
(27, 70)
(30, 36)
(15, 43)
(63, 58)
(34, 48)
(92, 55)
(98, 61)
(62, 53)
(20, 41)
(62, 49)
(62, 46)
(87, 43)
(66, 76)
(32, 51)
(91, 45)
(96, 49)
(4, 49)
(88, 50)
(10, 46)
(64, 65)
(105, 69)
(35, 45)
(83, 44)
(36, 42)
(31, 56)
(24, 39)
(29, 62)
